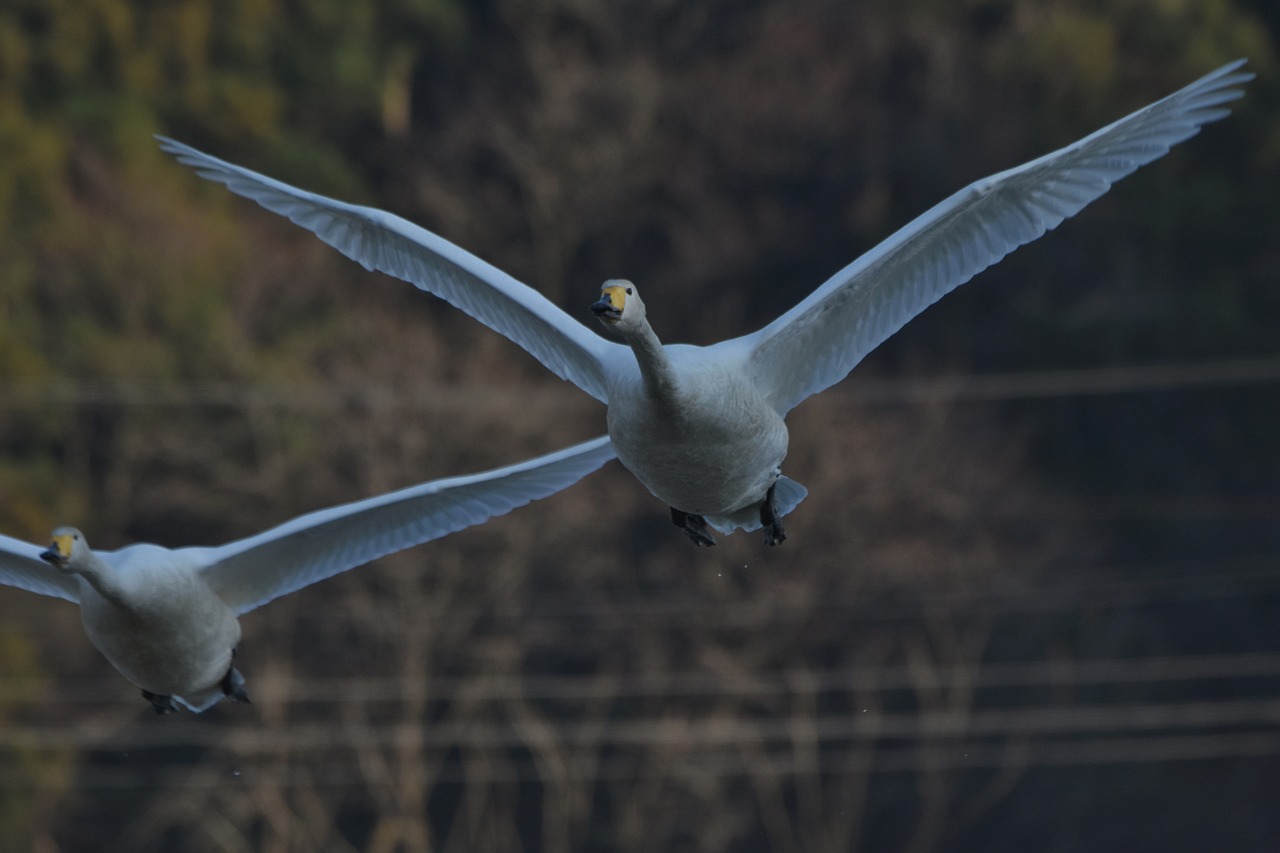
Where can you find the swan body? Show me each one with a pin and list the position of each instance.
(163, 627)
(167, 619)
(696, 431)
(706, 459)
(701, 427)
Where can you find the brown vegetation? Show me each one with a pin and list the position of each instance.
(992, 620)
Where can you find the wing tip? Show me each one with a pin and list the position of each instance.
(1220, 81)
(169, 145)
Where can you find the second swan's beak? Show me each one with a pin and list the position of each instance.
(59, 551)
(605, 310)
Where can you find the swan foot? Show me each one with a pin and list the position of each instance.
(695, 526)
(773, 532)
(161, 704)
(232, 685)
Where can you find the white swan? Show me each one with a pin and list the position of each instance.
(167, 619)
(702, 427)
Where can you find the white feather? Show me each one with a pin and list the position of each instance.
(166, 618)
(721, 393)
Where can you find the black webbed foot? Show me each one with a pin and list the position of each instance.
(160, 704)
(232, 685)
(695, 526)
(773, 532)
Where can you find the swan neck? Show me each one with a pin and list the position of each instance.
(655, 365)
(105, 579)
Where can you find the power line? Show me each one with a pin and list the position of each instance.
(1116, 379)
(76, 393)
(1159, 582)
(670, 730)
(1165, 582)
(1072, 674)
(699, 765)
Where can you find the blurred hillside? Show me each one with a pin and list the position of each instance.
(1030, 603)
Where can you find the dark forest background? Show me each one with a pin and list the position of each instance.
(1033, 599)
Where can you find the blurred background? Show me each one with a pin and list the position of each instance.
(1031, 603)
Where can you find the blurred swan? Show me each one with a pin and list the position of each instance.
(167, 618)
(702, 427)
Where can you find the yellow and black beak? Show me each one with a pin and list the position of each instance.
(59, 550)
(608, 308)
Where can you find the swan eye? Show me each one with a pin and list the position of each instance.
(628, 291)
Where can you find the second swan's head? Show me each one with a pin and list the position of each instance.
(66, 548)
(619, 305)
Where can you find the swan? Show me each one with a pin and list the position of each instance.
(167, 619)
(702, 427)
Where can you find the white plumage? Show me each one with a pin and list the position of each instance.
(167, 618)
(701, 426)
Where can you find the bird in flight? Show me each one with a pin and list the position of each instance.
(702, 426)
(168, 619)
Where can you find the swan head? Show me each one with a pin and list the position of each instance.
(619, 306)
(67, 549)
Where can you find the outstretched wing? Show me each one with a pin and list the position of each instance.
(817, 343)
(313, 547)
(380, 241)
(21, 566)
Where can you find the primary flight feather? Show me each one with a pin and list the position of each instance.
(701, 427)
